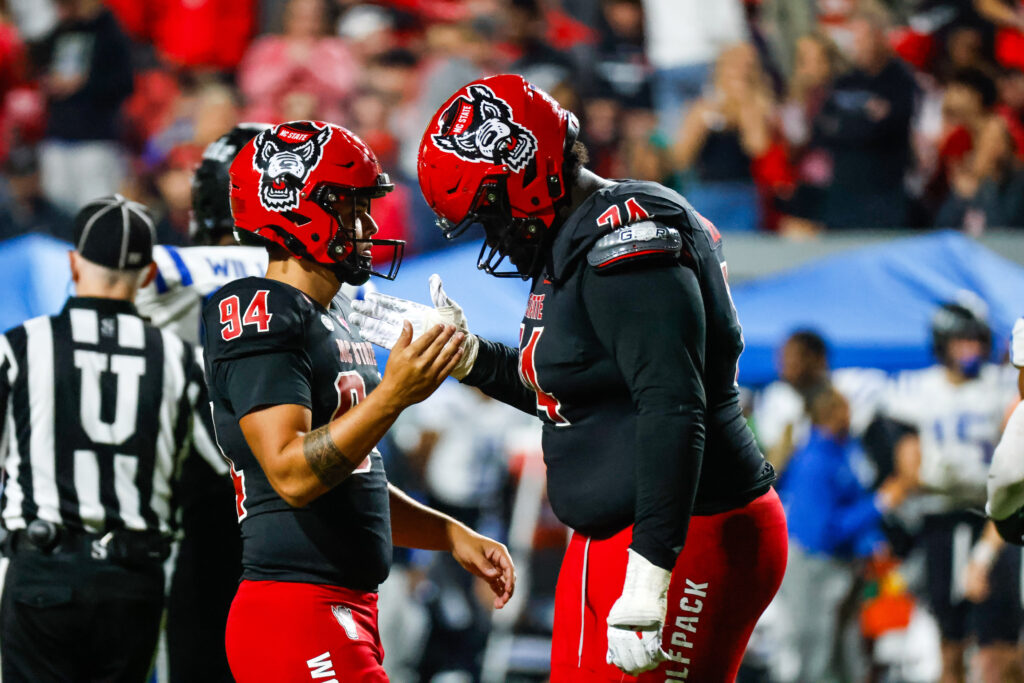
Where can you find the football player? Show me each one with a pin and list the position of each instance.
(186, 276)
(628, 354)
(1006, 476)
(956, 409)
(207, 563)
(299, 406)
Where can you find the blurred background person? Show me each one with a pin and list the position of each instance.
(816, 65)
(956, 410)
(684, 38)
(456, 443)
(865, 126)
(302, 73)
(85, 69)
(25, 208)
(834, 518)
(979, 164)
(723, 134)
(780, 410)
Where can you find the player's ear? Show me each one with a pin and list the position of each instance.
(150, 274)
(74, 265)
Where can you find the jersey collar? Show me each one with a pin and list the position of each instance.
(102, 305)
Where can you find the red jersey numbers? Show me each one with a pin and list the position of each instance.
(612, 216)
(351, 390)
(547, 405)
(238, 479)
(232, 318)
(237, 476)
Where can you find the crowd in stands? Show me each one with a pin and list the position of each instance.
(794, 116)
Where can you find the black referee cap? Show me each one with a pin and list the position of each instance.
(115, 233)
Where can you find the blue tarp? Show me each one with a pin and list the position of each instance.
(35, 278)
(872, 304)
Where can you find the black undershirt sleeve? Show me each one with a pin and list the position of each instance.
(650, 319)
(496, 373)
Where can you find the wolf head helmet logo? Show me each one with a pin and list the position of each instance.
(481, 129)
(285, 156)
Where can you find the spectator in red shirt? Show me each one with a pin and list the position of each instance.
(204, 34)
(301, 73)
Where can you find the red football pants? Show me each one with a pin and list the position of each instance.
(301, 632)
(729, 570)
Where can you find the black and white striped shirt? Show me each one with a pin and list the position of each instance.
(97, 413)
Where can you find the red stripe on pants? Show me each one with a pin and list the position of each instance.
(729, 570)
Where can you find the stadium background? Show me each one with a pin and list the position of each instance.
(745, 106)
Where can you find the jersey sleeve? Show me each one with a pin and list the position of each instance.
(496, 373)
(662, 364)
(255, 340)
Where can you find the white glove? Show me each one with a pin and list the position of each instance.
(1006, 474)
(636, 619)
(380, 318)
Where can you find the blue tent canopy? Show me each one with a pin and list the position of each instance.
(35, 277)
(874, 305)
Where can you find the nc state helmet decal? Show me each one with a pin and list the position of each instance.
(482, 129)
(285, 156)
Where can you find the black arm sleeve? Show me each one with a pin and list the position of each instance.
(651, 321)
(496, 373)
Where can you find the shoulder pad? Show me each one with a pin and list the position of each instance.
(634, 242)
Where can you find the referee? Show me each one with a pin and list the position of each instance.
(97, 409)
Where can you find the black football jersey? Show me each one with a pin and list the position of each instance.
(269, 344)
(630, 361)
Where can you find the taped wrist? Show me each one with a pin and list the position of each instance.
(644, 598)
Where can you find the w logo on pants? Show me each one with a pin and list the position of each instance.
(344, 616)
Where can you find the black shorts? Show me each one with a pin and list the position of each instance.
(948, 539)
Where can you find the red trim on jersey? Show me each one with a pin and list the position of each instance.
(546, 402)
(631, 255)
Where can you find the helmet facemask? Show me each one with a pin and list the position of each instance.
(520, 240)
(345, 247)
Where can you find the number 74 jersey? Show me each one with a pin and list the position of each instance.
(269, 344)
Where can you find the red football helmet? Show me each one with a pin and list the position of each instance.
(495, 154)
(286, 185)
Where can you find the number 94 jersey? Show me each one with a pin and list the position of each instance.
(269, 344)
